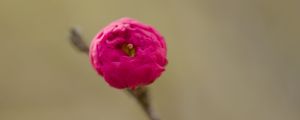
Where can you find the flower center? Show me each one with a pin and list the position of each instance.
(129, 49)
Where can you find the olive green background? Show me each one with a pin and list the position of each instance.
(228, 60)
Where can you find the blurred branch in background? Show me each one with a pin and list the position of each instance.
(141, 94)
(77, 41)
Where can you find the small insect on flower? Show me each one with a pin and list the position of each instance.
(128, 54)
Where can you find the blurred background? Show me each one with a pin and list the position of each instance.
(228, 60)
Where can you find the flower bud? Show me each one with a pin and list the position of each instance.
(128, 54)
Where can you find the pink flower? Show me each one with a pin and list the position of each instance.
(128, 54)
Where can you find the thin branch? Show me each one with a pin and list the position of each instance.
(77, 41)
(141, 94)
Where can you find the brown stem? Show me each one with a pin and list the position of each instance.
(141, 94)
(77, 41)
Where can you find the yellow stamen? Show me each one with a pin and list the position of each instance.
(130, 46)
(129, 49)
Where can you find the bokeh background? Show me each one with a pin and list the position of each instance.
(228, 60)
